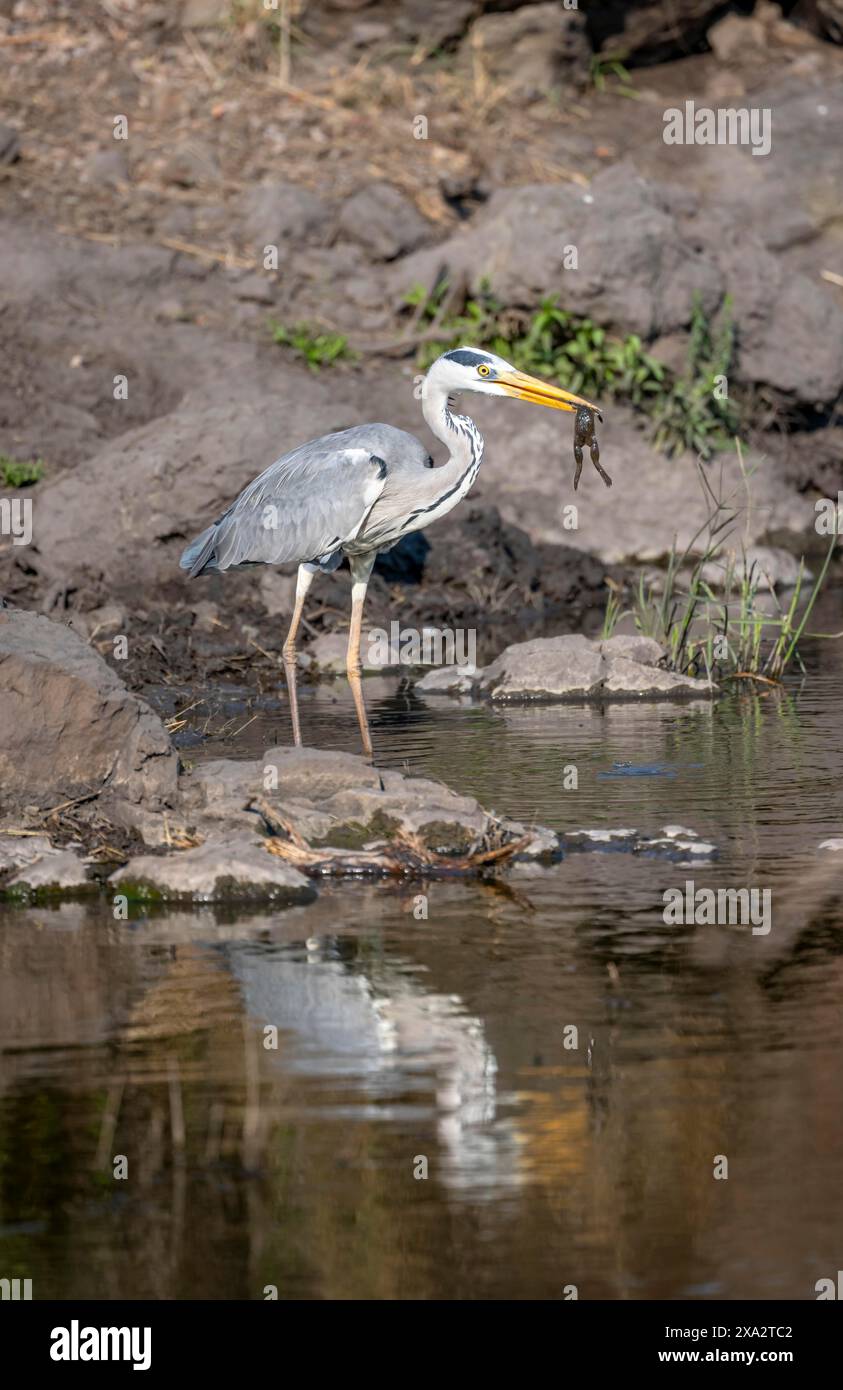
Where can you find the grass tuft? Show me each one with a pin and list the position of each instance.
(20, 472)
(317, 349)
(728, 636)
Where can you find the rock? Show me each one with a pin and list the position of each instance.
(448, 680)
(317, 774)
(734, 36)
(634, 647)
(673, 843)
(274, 213)
(834, 845)
(555, 667)
(106, 168)
(771, 305)
(382, 220)
(221, 870)
(58, 871)
(518, 244)
(69, 725)
(813, 459)
(673, 250)
(531, 50)
(9, 144)
(573, 667)
(631, 678)
(189, 164)
(338, 800)
(16, 851)
(773, 568)
(257, 289)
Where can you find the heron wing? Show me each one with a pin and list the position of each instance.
(303, 507)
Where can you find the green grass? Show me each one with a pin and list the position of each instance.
(20, 472)
(683, 410)
(603, 66)
(317, 349)
(726, 635)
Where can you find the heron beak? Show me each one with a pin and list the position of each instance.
(531, 388)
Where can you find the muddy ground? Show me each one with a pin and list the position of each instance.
(141, 258)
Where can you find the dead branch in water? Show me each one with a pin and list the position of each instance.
(406, 854)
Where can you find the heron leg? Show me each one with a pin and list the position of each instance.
(303, 583)
(361, 569)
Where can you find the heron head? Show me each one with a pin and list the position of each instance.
(474, 369)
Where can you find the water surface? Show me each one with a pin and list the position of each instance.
(407, 1041)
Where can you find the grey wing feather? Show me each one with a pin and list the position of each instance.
(306, 505)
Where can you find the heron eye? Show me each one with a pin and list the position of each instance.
(484, 369)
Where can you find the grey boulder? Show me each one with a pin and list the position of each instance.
(70, 726)
(575, 668)
(532, 49)
(382, 220)
(54, 871)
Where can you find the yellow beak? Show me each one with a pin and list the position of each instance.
(531, 388)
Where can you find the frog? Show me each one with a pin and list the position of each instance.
(584, 434)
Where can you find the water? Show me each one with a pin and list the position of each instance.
(404, 1040)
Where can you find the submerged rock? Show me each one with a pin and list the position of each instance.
(55, 871)
(338, 800)
(449, 680)
(16, 851)
(32, 864)
(570, 668)
(673, 842)
(221, 870)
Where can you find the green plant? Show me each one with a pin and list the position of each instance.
(614, 610)
(694, 413)
(726, 636)
(603, 65)
(19, 472)
(317, 349)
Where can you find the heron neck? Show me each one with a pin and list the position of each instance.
(457, 432)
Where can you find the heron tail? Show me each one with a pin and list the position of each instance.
(199, 555)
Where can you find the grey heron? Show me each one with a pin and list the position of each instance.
(357, 492)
